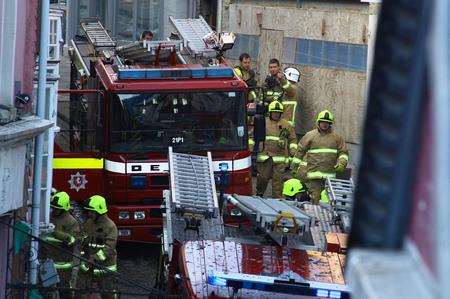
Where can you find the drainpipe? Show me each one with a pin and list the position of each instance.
(39, 142)
(219, 16)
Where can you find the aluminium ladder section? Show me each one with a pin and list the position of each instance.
(147, 52)
(192, 32)
(192, 193)
(340, 193)
(263, 212)
(192, 184)
(96, 34)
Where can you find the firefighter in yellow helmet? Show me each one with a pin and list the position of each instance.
(274, 154)
(65, 236)
(294, 190)
(99, 246)
(322, 153)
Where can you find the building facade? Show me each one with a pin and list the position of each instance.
(326, 40)
(19, 24)
(126, 19)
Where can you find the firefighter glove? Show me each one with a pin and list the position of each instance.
(340, 165)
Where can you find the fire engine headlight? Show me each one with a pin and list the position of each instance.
(124, 232)
(124, 215)
(139, 215)
(236, 213)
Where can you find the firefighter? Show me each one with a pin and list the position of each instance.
(246, 73)
(66, 236)
(146, 35)
(99, 246)
(290, 98)
(273, 160)
(324, 152)
(294, 190)
(276, 83)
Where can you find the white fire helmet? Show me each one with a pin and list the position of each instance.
(292, 74)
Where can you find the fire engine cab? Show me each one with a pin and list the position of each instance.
(129, 103)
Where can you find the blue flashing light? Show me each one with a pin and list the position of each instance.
(153, 74)
(138, 181)
(223, 166)
(322, 293)
(198, 73)
(217, 281)
(335, 294)
(176, 73)
(167, 73)
(132, 74)
(219, 72)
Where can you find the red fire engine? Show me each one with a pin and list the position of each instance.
(127, 104)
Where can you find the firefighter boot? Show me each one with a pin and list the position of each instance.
(265, 170)
(315, 187)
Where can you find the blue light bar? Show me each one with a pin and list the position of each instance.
(132, 74)
(219, 72)
(176, 73)
(199, 73)
(276, 285)
(217, 281)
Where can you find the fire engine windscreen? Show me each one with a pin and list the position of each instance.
(185, 121)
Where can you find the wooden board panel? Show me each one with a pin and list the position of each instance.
(342, 241)
(270, 46)
(340, 91)
(333, 243)
(336, 268)
(342, 259)
(331, 22)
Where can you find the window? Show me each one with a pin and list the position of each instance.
(148, 16)
(125, 20)
(325, 54)
(186, 121)
(54, 39)
(80, 118)
(245, 43)
(135, 16)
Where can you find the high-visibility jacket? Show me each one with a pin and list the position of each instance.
(320, 151)
(290, 104)
(249, 78)
(276, 93)
(100, 240)
(66, 236)
(280, 142)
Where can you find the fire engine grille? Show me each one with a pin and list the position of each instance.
(192, 184)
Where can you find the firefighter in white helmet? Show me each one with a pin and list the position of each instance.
(291, 97)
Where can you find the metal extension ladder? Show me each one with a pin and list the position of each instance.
(340, 193)
(96, 34)
(192, 185)
(193, 32)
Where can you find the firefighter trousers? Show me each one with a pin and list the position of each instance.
(67, 279)
(268, 170)
(104, 282)
(315, 187)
